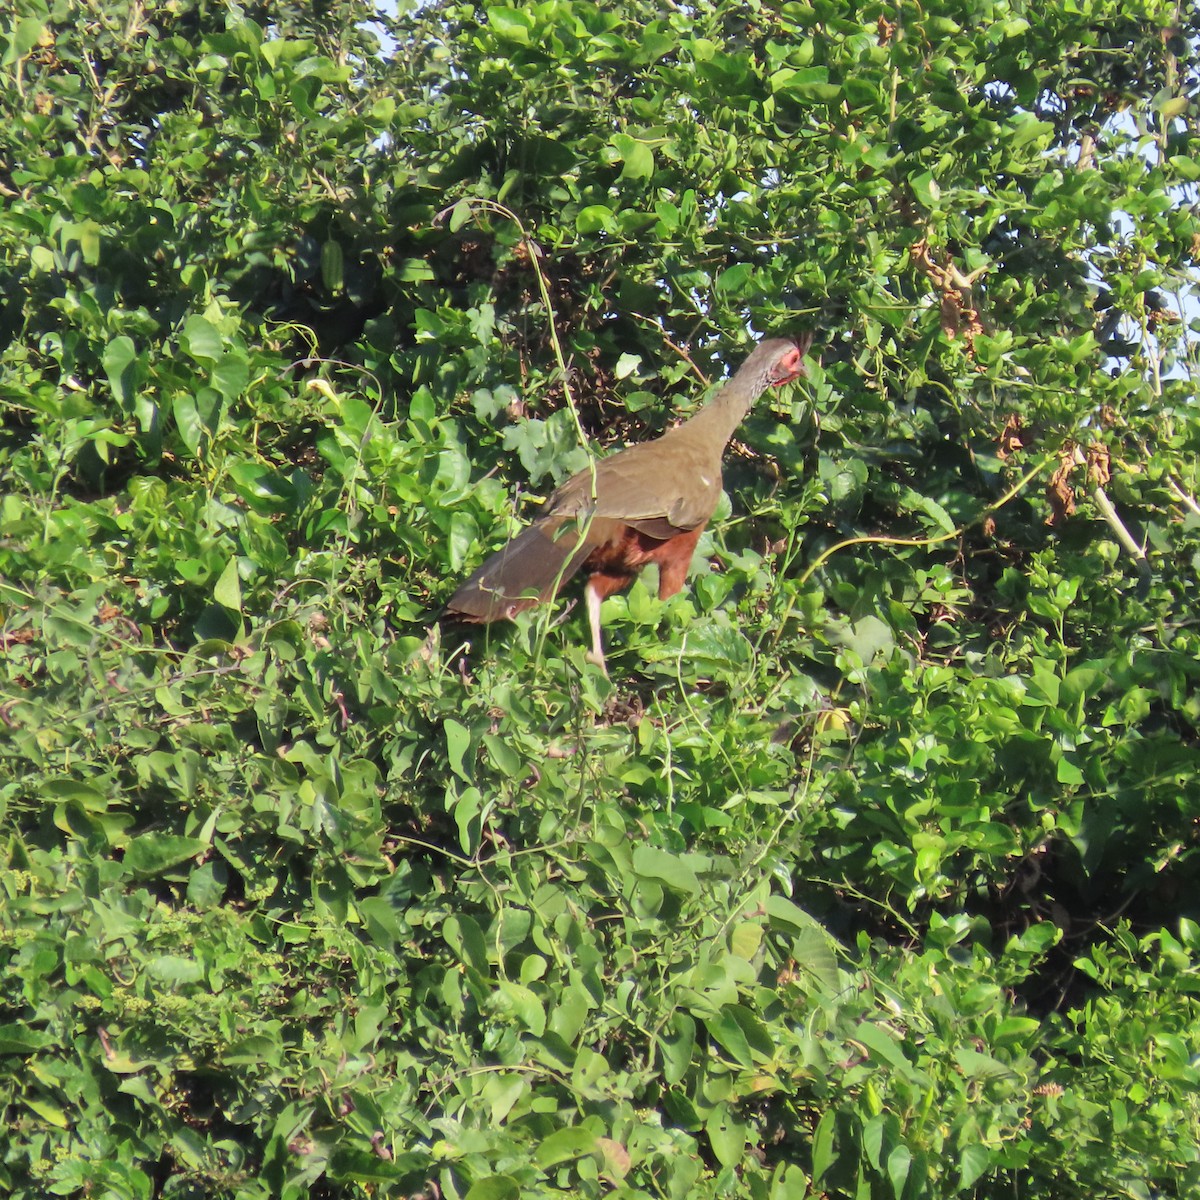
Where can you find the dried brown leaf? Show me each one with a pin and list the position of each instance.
(1059, 492)
(1010, 439)
(1099, 464)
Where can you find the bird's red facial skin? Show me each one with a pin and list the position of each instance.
(791, 366)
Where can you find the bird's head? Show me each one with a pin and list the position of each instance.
(779, 360)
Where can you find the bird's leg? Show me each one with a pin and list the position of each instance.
(674, 557)
(594, 599)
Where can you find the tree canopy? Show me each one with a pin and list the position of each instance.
(867, 872)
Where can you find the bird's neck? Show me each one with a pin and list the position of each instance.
(714, 424)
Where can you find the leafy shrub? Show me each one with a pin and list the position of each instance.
(866, 874)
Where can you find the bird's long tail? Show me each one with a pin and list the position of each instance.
(528, 570)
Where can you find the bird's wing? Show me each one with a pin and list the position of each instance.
(527, 570)
(661, 488)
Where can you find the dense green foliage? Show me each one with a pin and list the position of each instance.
(870, 872)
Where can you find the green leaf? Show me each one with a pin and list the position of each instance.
(464, 531)
(788, 1183)
(17, 1039)
(151, 854)
(27, 35)
(652, 863)
(745, 939)
(502, 1093)
(727, 1136)
(458, 742)
(206, 886)
(1018, 1029)
(595, 218)
(187, 420)
(789, 917)
(1174, 107)
(174, 970)
(637, 157)
(1028, 129)
(823, 1152)
(465, 938)
(518, 1001)
(873, 1140)
(757, 1035)
(1068, 773)
(494, 1187)
(202, 340)
(230, 377)
(510, 24)
(571, 1012)
(977, 1065)
(726, 1031)
(973, 1162)
(626, 365)
(48, 1111)
(121, 366)
(870, 637)
(940, 517)
(467, 807)
(227, 591)
(676, 1044)
(565, 1145)
(926, 189)
(811, 83)
(1186, 168)
(882, 1045)
(415, 270)
(734, 278)
(333, 266)
(898, 1165)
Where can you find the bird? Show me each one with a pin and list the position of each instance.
(647, 503)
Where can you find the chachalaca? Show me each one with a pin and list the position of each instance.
(648, 503)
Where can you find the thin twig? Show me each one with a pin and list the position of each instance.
(1110, 514)
(1113, 518)
(1186, 500)
(680, 350)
